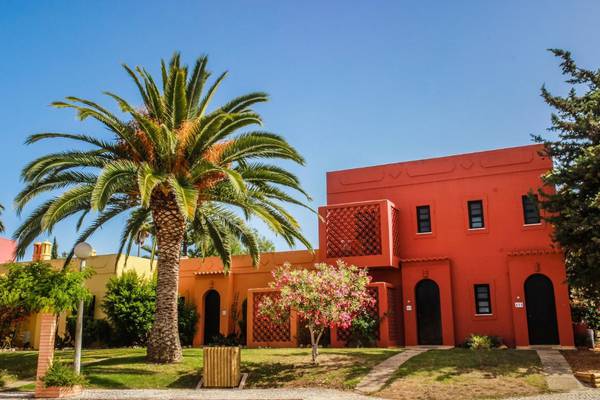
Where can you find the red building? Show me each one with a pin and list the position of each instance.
(455, 246)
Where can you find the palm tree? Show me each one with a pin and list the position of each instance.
(174, 161)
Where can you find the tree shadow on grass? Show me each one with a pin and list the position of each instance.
(186, 380)
(104, 382)
(269, 374)
(20, 364)
(118, 361)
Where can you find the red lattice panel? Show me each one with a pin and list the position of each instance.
(396, 231)
(353, 231)
(392, 315)
(344, 334)
(267, 331)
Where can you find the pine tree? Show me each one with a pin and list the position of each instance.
(574, 146)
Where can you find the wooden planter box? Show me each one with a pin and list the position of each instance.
(221, 367)
(590, 378)
(57, 392)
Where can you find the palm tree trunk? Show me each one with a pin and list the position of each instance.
(163, 342)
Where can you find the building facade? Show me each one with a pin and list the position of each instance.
(455, 245)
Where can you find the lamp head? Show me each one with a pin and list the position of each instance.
(83, 250)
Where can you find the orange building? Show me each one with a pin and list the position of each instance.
(455, 246)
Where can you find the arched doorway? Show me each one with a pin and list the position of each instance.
(429, 314)
(541, 310)
(212, 317)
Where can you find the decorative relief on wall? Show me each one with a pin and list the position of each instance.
(364, 177)
(395, 173)
(430, 167)
(466, 164)
(502, 159)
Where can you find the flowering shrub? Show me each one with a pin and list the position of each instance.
(327, 297)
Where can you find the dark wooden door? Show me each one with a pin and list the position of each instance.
(212, 317)
(541, 310)
(429, 315)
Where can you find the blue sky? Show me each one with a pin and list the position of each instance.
(352, 83)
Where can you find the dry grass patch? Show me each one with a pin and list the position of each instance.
(461, 374)
(583, 360)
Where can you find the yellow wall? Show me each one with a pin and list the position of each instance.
(104, 268)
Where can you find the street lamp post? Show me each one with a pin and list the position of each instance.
(82, 251)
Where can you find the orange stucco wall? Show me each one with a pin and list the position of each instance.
(198, 276)
(503, 254)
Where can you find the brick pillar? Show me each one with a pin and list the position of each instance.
(46, 351)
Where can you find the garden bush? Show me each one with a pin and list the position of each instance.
(62, 375)
(225, 341)
(364, 331)
(129, 306)
(9, 322)
(96, 332)
(188, 320)
(482, 342)
(586, 312)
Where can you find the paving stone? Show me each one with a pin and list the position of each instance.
(557, 371)
(382, 372)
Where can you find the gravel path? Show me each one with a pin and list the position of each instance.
(267, 394)
(209, 394)
(591, 394)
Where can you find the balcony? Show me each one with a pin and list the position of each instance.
(363, 233)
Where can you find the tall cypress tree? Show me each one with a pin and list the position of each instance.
(54, 254)
(573, 143)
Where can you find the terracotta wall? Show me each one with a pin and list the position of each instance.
(499, 178)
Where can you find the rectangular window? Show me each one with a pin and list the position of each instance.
(476, 214)
(531, 212)
(483, 304)
(423, 219)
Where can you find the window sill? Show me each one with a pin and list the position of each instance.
(424, 235)
(533, 227)
(475, 231)
(479, 317)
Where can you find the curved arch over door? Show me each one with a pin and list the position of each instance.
(541, 310)
(429, 314)
(212, 317)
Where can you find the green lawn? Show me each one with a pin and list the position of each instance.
(127, 368)
(462, 374)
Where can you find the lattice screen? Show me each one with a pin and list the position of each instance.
(344, 334)
(264, 330)
(396, 231)
(392, 315)
(353, 231)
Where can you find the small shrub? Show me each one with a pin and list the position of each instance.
(586, 312)
(129, 305)
(96, 332)
(62, 375)
(188, 320)
(364, 331)
(219, 340)
(482, 342)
